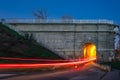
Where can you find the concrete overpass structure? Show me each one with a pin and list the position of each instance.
(67, 37)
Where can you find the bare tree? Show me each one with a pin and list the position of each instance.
(41, 14)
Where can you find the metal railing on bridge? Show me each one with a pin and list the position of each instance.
(55, 21)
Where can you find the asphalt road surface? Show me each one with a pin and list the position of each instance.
(81, 73)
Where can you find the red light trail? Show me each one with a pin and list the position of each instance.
(38, 65)
(32, 59)
(89, 53)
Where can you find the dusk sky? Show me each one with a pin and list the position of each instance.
(79, 9)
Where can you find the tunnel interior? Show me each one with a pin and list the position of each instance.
(89, 51)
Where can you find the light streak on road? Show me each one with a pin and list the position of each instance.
(32, 59)
(38, 65)
(89, 52)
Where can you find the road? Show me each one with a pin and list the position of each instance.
(81, 73)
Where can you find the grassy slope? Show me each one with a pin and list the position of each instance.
(115, 65)
(14, 45)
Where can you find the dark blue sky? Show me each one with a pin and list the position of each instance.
(79, 9)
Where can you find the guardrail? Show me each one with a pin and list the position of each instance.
(55, 21)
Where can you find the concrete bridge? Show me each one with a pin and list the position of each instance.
(68, 38)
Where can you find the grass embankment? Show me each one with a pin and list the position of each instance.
(14, 45)
(115, 65)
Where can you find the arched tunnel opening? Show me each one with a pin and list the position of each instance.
(89, 51)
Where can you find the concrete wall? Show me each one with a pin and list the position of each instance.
(67, 39)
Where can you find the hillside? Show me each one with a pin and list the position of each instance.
(14, 45)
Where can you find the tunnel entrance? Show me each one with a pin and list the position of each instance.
(89, 51)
